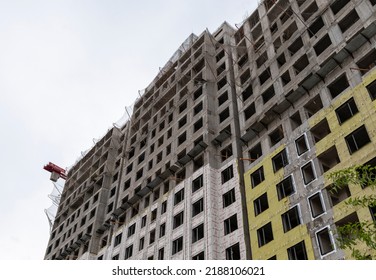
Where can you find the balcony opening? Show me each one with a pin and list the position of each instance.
(245, 77)
(222, 99)
(301, 64)
(320, 130)
(264, 76)
(367, 62)
(224, 115)
(289, 31)
(249, 111)
(281, 60)
(276, 135)
(262, 59)
(285, 77)
(242, 61)
(295, 46)
(349, 20)
(247, 93)
(337, 195)
(268, 94)
(295, 120)
(255, 152)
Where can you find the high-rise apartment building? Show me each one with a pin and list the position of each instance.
(226, 152)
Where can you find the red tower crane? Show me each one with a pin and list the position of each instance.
(56, 172)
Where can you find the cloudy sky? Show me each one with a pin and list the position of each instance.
(67, 70)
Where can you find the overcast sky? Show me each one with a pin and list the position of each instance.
(67, 70)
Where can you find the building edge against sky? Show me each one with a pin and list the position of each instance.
(226, 152)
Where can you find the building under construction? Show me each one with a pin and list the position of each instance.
(226, 151)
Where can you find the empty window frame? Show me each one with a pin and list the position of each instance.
(349, 20)
(357, 139)
(320, 130)
(308, 173)
(313, 106)
(179, 196)
(325, 241)
(280, 160)
(143, 221)
(226, 153)
(152, 236)
(328, 159)
(222, 99)
(261, 204)
(301, 145)
(249, 111)
(255, 152)
(315, 27)
(224, 115)
(230, 224)
(182, 121)
(197, 125)
(338, 86)
(227, 174)
(346, 110)
(337, 195)
(141, 244)
(322, 45)
(177, 245)
(247, 93)
(257, 177)
(268, 94)
(198, 233)
(197, 183)
(178, 220)
(371, 88)
(182, 107)
(276, 135)
(265, 234)
(197, 207)
(295, 120)
(228, 198)
(182, 138)
(290, 219)
(233, 252)
(316, 205)
(297, 252)
(153, 215)
(198, 108)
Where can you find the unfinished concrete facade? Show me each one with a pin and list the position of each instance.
(225, 154)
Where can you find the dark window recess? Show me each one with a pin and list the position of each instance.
(367, 62)
(264, 76)
(227, 174)
(349, 20)
(320, 130)
(301, 64)
(290, 219)
(325, 241)
(301, 145)
(281, 60)
(161, 254)
(285, 188)
(257, 177)
(338, 5)
(117, 239)
(371, 88)
(316, 205)
(295, 46)
(179, 196)
(153, 215)
(224, 115)
(276, 135)
(226, 153)
(243, 60)
(357, 139)
(313, 106)
(198, 108)
(198, 163)
(163, 207)
(337, 195)
(177, 245)
(199, 256)
(255, 152)
(197, 183)
(247, 93)
(228, 198)
(268, 94)
(307, 13)
(182, 121)
(295, 120)
(289, 31)
(198, 125)
(222, 99)
(231, 224)
(197, 207)
(328, 159)
(373, 2)
(249, 111)
(182, 138)
(245, 77)
(116, 257)
(261, 204)
(338, 86)
(265, 234)
(220, 55)
(152, 237)
(131, 230)
(297, 252)
(322, 45)
(143, 221)
(197, 233)
(139, 174)
(221, 83)
(308, 173)
(262, 59)
(350, 219)
(178, 220)
(280, 160)
(197, 93)
(316, 26)
(285, 77)
(233, 252)
(346, 111)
